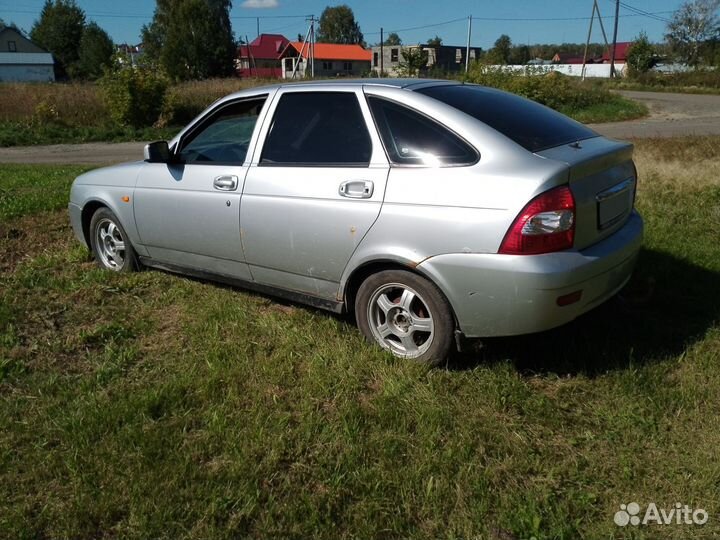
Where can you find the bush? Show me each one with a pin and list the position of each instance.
(557, 91)
(134, 96)
(641, 56)
(186, 100)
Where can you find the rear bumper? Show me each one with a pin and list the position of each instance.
(504, 295)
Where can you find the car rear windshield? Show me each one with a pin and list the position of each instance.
(529, 124)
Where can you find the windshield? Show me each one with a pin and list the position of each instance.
(531, 125)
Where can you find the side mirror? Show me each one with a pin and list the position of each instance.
(158, 152)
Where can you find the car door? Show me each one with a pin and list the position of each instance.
(188, 212)
(313, 190)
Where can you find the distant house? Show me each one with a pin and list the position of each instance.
(331, 60)
(262, 57)
(621, 52)
(445, 58)
(129, 54)
(565, 58)
(21, 60)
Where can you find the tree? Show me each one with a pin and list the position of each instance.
(435, 42)
(59, 30)
(641, 56)
(500, 53)
(191, 39)
(414, 60)
(96, 51)
(695, 23)
(338, 25)
(520, 55)
(393, 39)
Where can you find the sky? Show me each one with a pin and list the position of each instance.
(525, 21)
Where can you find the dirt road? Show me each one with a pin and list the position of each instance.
(671, 115)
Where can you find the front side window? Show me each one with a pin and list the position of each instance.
(225, 136)
(411, 138)
(317, 129)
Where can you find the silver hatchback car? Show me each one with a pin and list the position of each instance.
(432, 210)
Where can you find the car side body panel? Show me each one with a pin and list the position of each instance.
(298, 229)
(107, 186)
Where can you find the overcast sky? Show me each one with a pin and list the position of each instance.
(528, 21)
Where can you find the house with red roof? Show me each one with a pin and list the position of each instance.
(621, 52)
(331, 60)
(262, 57)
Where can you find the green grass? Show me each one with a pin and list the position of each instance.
(617, 109)
(148, 405)
(30, 134)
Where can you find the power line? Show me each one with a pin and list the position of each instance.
(642, 13)
(645, 13)
(137, 16)
(434, 25)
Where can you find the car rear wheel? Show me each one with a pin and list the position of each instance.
(405, 314)
(109, 243)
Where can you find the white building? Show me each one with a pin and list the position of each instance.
(21, 60)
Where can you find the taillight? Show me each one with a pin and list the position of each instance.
(545, 225)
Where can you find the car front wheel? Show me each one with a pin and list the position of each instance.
(405, 314)
(109, 243)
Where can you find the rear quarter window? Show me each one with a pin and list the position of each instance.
(529, 124)
(411, 138)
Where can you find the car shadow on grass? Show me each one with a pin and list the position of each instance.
(668, 305)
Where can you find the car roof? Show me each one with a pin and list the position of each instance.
(389, 82)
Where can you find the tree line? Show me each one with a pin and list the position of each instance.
(193, 39)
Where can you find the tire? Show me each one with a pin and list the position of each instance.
(109, 243)
(407, 315)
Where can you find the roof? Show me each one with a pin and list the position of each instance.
(621, 50)
(385, 81)
(265, 46)
(333, 51)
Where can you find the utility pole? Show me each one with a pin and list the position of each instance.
(467, 49)
(595, 9)
(257, 21)
(612, 53)
(312, 46)
(382, 52)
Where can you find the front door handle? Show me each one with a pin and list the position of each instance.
(357, 189)
(226, 183)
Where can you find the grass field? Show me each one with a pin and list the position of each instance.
(148, 405)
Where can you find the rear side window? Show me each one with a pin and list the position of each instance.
(318, 129)
(411, 138)
(531, 125)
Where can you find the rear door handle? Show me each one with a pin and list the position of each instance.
(226, 183)
(357, 189)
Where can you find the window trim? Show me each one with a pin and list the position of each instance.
(12, 46)
(202, 122)
(429, 118)
(324, 165)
